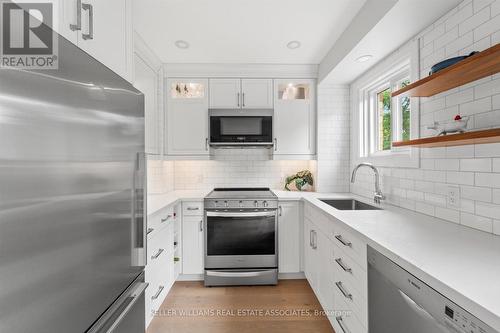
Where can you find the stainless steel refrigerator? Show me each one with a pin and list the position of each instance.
(72, 197)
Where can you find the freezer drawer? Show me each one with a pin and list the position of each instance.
(126, 314)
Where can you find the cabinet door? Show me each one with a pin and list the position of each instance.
(187, 117)
(146, 81)
(310, 253)
(68, 20)
(110, 42)
(295, 117)
(257, 93)
(289, 237)
(192, 245)
(325, 282)
(225, 93)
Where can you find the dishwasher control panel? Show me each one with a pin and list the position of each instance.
(462, 321)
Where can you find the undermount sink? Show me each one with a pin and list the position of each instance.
(349, 204)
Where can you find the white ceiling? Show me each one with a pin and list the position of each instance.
(243, 31)
(402, 22)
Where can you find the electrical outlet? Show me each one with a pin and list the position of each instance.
(454, 196)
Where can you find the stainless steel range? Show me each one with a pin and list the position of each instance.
(241, 237)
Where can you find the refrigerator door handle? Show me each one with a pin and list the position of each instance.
(105, 326)
(139, 216)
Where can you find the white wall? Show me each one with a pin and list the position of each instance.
(474, 169)
(333, 138)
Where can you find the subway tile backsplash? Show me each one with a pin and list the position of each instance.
(473, 170)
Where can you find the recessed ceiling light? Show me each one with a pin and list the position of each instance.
(294, 44)
(182, 44)
(364, 58)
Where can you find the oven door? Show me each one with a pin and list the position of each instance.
(245, 239)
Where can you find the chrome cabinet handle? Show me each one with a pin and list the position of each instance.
(78, 25)
(158, 293)
(201, 226)
(315, 240)
(206, 144)
(238, 99)
(157, 254)
(193, 208)
(343, 266)
(343, 290)
(166, 218)
(243, 98)
(275, 144)
(90, 9)
(150, 230)
(343, 241)
(310, 238)
(342, 325)
(280, 211)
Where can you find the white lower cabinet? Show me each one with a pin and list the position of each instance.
(335, 267)
(159, 272)
(289, 232)
(192, 239)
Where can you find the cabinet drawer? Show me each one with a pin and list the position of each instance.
(346, 322)
(347, 269)
(159, 220)
(192, 208)
(345, 291)
(351, 245)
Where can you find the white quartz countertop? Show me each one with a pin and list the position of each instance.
(460, 262)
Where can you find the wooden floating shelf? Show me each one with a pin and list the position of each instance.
(480, 65)
(469, 138)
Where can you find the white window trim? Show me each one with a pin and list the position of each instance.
(384, 74)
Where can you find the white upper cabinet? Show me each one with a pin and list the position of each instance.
(103, 29)
(241, 93)
(107, 33)
(146, 80)
(257, 94)
(295, 117)
(225, 93)
(187, 117)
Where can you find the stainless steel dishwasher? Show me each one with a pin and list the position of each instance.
(399, 302)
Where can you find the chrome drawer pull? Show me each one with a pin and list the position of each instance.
(150, 230)
(193, 208)
(155, 256)
(166, 218)
(343, 291)
(158, 293)
(342, 325)
(344, 267)
(343, 241)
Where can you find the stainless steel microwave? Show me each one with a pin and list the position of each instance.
(241, 128)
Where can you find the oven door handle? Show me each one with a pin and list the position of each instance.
(239, 274)
(241, 214)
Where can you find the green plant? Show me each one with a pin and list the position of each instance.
(301, 178)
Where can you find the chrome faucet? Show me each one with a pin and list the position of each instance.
(378, 197)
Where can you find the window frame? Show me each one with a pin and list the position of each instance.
(392, 72)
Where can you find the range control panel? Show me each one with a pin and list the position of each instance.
(463, 322)
(241, 204)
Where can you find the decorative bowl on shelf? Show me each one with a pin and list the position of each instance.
(448, 62)
(459, 125)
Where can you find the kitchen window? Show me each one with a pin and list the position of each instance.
(384, 119)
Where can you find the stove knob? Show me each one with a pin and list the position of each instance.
(226, 204)
(256, 203)
(241, 204)
(265, 204)
(216, 203)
